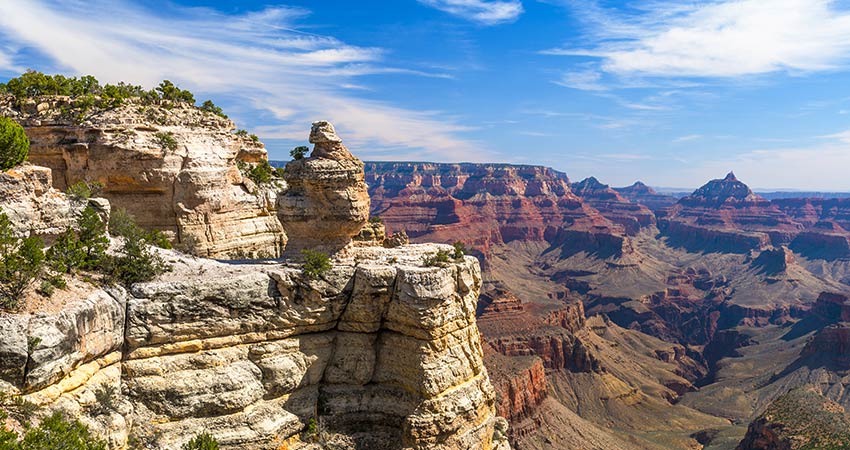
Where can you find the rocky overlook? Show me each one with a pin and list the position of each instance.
(171, 165)
(377, 350)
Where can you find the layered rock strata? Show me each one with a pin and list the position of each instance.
(327, 202)
(645, 195)
(486, 205)
(725, 215)
(172, 166)
(385, 352)
(631, 216)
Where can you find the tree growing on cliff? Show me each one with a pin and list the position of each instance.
(21, 263)
(169, 91)
(299, 152)
(14, 144)
(211, 107)
(315, 264)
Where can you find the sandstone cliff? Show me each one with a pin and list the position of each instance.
(172, 166)
(378, 351)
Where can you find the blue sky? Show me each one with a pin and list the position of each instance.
(669, 92)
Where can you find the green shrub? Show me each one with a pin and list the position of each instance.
(437, 259)
(242, 133)
(104, 396)
(21, 263)
(254, 138)
(260, 173)
(17, 407)
(122, 223)
(299, 152)
(56, 432)
(376, 219)
(14, 144)
(166, 140)
(66, 254)
(210, 107)
(202, 441)
(458, 250)
(136, 262)
(82, 190)
(316, 264)
(279, 171)
(92, 237)
(169, 91)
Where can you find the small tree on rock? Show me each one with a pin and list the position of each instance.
(14, 144)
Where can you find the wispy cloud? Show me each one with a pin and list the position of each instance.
(492, 12)
(819, 166)
(687, 138)
(716, 39)
(291, 77)
(585, 80)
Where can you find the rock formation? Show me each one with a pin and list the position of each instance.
(251, 353)
(613, 206)
(34, 206)
(172, 166)
(380, 348)
(800, 419)
(725, 215)
(645, 195)
(487, 204)
(327, 202)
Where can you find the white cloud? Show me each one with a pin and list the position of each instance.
(289, 75)
(687, 138)
(820, 166)
(716, 39)
(586, 80)
(481, 11)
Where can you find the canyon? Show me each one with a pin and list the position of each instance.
(640, 319)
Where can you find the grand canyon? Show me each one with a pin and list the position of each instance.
(424, 225)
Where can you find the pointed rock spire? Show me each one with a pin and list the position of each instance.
(730, 176)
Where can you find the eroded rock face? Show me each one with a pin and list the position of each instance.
(33, 205)
(486, 204)
(645, 195)
(725, 215)
(173, 168)
(616, 208)
(378, 348)
(327, 202)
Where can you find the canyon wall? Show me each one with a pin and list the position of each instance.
(172, 166)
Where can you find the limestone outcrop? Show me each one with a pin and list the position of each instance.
(378, 348)
(327, 202)
(172, 166)
(34, 206)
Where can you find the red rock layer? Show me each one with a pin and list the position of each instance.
(725, 215)
(645, 195)
(616, 208)
(482, 204)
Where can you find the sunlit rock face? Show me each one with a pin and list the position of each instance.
(327, 202)
(173, 167)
